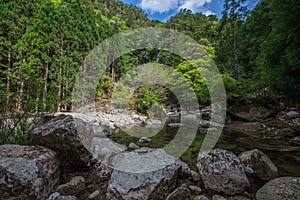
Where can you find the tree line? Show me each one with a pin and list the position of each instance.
(44, 43)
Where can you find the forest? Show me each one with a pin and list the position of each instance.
(44, 43)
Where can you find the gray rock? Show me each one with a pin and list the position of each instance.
(144, 140)
(74, 187)
(218, 197)
(249, 170)
(295, 124)
(58, 196)
(295, 141)
(283, 188)
(239, 197)
(263, 168)
(222, 172)
(200, 197)
(195, 176)
(153, 122)
(142, 174)
(190, 117)
(95, 195)
(292, 115)
(63, 134)
(195, 189)
(27, 172)
(204, 124)
(105, 146)
(185, 171)
(228, 119)
(175, 125)
(133, 146)
(181, 193)
(206, 112)
(76, 139)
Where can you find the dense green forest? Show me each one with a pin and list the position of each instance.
(44, 43)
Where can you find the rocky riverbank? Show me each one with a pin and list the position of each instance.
(75, 159)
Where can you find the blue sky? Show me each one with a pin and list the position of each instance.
(164, 9)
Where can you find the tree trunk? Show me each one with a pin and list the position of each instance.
(21, 93)
(236, 67)
(59, 88)
(8, 81)
(60, 78)
(45, 90)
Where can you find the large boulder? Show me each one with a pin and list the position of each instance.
(283, 188)
(66, 135)
(77, 138)
(222, 172)
(263, 168)
(142, 174)
(27, 172)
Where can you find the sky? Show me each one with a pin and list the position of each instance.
(163, 9)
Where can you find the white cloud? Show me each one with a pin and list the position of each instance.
(208, 12)
(162, 6)
(193, 5)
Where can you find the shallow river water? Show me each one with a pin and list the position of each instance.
(286, 159)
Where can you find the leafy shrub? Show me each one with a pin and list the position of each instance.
(16, 128)
(144, 99)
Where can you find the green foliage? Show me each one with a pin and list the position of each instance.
(231, 33)
(231, 86)
(16, 129)
(257, 27)
(281, 50)
(144, 99)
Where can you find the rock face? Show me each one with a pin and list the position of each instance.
(222, 172)
(284, 188)
(27, 172)
(262, 166)
(76, 139)
(155, 182)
